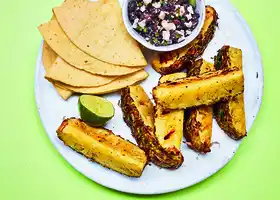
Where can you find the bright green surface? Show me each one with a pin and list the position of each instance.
(31, 168)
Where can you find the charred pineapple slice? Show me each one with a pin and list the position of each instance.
(200, 67)
(198, 120)
(198, 128)
(138, 114)
(230, 115)
(169, 124)
(102, 146)
(175, 61)
(172, 77)
(228, 58)
(206, 89)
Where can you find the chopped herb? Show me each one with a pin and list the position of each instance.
(178, 36)
(139, 28)
(165, 43)
(155, 40)
(218, 60)
(222, 114)
(145, 30)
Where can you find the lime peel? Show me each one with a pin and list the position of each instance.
(95, 110)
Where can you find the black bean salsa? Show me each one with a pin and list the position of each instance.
(163, 22)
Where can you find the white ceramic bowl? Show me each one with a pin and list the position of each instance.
(200, 8)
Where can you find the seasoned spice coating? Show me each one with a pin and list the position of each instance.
(138, 114)
(206, 89)
(198, 120)
(230, 115)
(103, 146)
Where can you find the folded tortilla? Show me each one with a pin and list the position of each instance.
(48, 57)
(63, 72)
(62, 45)
(97, 28)
(119, 83)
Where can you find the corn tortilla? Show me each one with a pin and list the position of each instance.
(64, 93)
(97, 29)
(121, 82)
(48, 57)
(60, 43)
(65, 73)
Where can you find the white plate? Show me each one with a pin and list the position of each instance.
(232, 30)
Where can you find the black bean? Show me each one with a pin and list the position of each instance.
(151, 31)
(132, 5)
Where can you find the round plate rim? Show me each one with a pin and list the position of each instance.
(104, 183)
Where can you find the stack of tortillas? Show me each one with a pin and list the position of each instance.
(88, 50)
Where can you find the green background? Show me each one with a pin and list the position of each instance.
(31, 168)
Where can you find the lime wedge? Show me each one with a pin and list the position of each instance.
(95, 111)
(193, 3)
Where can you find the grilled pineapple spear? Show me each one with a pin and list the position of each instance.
(206, 89)
(230, 114)
(169, 124)
(102, 146)
(175, 61)
(138, 114)
(198, 120)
